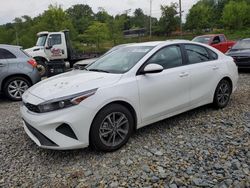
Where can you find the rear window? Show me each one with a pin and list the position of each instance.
(25, 53)
(5, 54)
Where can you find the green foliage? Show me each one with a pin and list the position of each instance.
(200, 16)
(236, 14)
(81, 16)
(169, 20)
(97, 33)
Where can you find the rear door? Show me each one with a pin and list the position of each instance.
(166, 92)
(204, 72)
(3, 64)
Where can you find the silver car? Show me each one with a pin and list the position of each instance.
(17, 71)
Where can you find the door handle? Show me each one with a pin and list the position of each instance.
(215, 67)
(183, 74)
(2, 65)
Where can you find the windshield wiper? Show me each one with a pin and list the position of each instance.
(98, 70)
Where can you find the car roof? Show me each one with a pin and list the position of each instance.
(157, 43)
(9, 46)
(246, 39)
(209, 35)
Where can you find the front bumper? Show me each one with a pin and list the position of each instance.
(44, 128)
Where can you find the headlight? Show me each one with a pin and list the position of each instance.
(65, 102)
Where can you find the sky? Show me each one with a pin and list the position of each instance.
(11, 9)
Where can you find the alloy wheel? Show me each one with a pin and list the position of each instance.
(16, 88)
(223, 93)
(114, 129)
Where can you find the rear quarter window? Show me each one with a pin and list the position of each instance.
(6, 54)
(213, 55)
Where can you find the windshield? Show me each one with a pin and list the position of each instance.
(41, 40)
(204, 39)
(242, 44)
(120, 60)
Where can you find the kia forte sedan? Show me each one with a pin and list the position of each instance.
(125, 90)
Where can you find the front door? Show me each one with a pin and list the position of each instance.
(166, 92)
(56, 47)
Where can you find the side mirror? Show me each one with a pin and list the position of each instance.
(152, 68)
(48, 47)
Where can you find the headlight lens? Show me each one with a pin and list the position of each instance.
(65, 102)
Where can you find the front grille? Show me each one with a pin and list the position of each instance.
(42, 138)
(32, 107)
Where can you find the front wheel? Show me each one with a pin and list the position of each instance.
(222, 94)
(111, 128)
(15, 87)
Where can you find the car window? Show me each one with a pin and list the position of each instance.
(222, 38)
(196, 54)
(5, 54)
(213, 55)
(167, 57)
(216, 39)
(54, 39)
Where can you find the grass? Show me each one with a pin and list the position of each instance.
(230, 34)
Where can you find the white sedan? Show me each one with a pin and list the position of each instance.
(127, 89)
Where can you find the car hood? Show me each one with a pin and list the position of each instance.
(242, 53)
(73, 82)
(33, 49)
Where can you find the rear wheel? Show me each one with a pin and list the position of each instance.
(15, 87)
(111, 128)
(222, 94)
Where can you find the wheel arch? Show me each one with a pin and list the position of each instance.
(41, 58)
(15, 75)
(225, 78)
(126, 105)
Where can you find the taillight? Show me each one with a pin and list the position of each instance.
(32, 62)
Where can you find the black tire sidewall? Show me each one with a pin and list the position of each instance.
(95, 140)
(5, 88)
(216, 102)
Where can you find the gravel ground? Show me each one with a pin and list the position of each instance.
(200, 148)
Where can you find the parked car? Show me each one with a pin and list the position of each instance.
(218, 41)
(125, 90)
(17, 71)
(241, 53)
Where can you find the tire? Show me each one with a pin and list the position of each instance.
(105, 136)
(222, 94)
(14, 87)
(42, 67)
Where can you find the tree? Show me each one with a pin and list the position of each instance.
(97, 32)
(102, 16)
(236, 14)
(82, 16)
(199, 17)
(169, 20)
(139, 19)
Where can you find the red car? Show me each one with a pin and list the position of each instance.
(218, 41)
